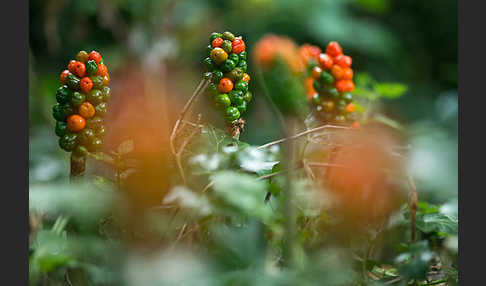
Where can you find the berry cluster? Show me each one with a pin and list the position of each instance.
(81, 104)
(229, 81)
(330, 83)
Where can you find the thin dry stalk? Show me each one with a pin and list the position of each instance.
(412, 204)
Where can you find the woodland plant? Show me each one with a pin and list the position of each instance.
(328, 204)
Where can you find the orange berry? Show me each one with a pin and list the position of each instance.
(95, 56)
(225, 85)
(343, 60)
(63, 76)
(316, 72)
(333, 49)
(348, 73)
(337, 72)
(309, 86)
(326, 61)
(217, 42)
(79, 69)
(86, 110)
(355, 125)
(102, 70)
(350, 108)
(85, 84)
(75, 123)
(344, 85)
(106, 79)
(246, 77)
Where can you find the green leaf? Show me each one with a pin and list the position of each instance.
(446, 224)
(243, 193)
(388, 121)
(390, 90)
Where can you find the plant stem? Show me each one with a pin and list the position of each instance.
(298, 135)
(78, 166)
(412, 204)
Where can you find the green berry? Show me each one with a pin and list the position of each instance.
(228, 66)
(209, 64)
(85, 136)
(232, 113)
(91, 67)
(101, 109)
(213, 88)
(234, 57)
(326, 77)
(63, 94)
(243, 65)
(242, 107)
(236, 97)
(347, 96)
(68, 142)
(77, 99)
(97, 81)
(72, 81)
(61, 128)
(333, 93)
(242, 85)
(106, 92)
(94, 123)
(222, 101)
(340, 106)
(94, 96)
(227, 46)
(228, 36)
(242, 55)
(217, 76)
(213, 36)
(101, 131)
(316, 99)
(236, 74)
(209, 48)
(248, 96)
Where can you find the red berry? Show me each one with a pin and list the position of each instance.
(343, 60)
(238, 46)
(333, 49)
(71, 66)
(344, 85)
(326, 61)
(85, 84)
(95, 56)
(79, 69)
(355, 125)
(217, 42)
(64, 75)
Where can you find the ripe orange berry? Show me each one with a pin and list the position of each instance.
(343, 60)
(350, 107)
(326, 61)
(246, 77)
(333, 49)
(71, 66)
(238, 46)
(102, 70)
(217, 42)
(75, 123)
(316, 72)
(337, 72)
(64, 75)
(355, 125)
(79, 69)
(348, 73)
(309, 86)
(344, 85)
(95, 56)
(86, 110)
(225, 85)
(85, 84)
